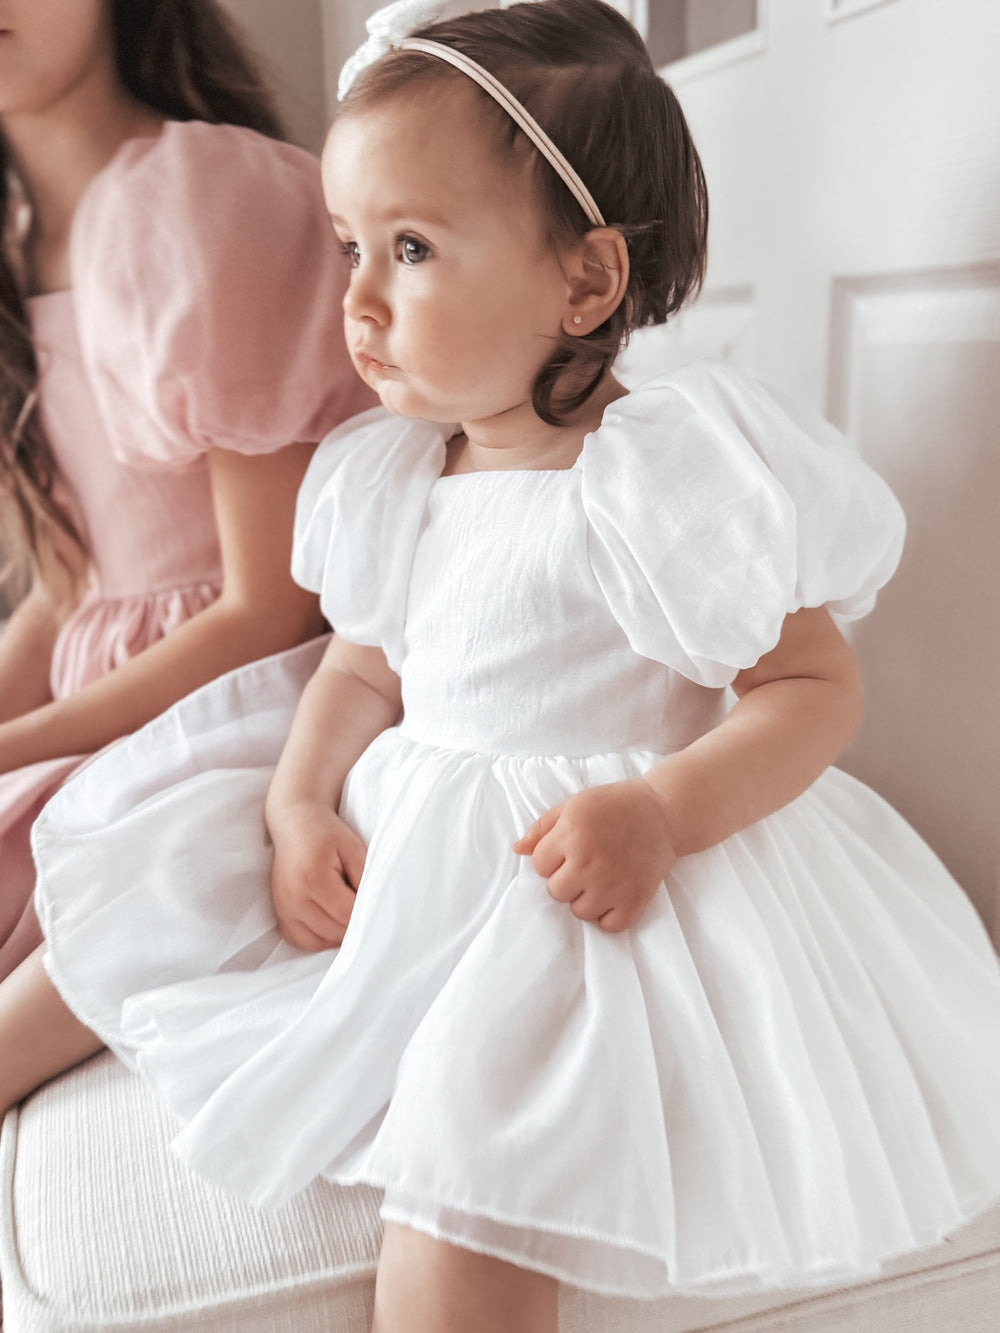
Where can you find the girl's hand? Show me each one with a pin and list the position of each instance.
(605, 851)
(317, 868)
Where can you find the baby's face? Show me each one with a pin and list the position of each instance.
(456, 295)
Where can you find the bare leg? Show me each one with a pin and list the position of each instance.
(426, 1286)
(39, 1036)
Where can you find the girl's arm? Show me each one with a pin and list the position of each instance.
(26, 643)
(318, 860)
(28, 639)
(606, 850)
(260, 610)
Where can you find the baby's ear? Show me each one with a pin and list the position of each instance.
(596, 268)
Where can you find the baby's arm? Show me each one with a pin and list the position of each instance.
(606, 850)
(260, 611)
(318, 860)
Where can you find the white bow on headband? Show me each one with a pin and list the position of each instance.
(388, 26)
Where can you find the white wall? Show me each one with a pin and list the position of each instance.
(344, 31)
(290, 39)
(303, 44)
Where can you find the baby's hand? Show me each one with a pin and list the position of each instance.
(318, 862)
(604, 851)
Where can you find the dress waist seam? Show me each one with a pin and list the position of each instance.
(98, 597)
(546, 756)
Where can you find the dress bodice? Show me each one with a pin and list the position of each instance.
(146, 528)
(606, 607)
(513, 648)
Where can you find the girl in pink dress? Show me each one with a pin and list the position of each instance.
(169, 346)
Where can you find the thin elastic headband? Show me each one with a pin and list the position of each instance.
(518, 114)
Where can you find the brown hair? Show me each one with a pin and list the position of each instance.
(583, 72)
(184, 59)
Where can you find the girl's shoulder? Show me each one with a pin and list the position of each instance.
(200, 206)
(358, 518)
(708, 431)
(207, 283)
(197, 172)
(716, 507)
(369, 478)
(721, 403)
(375, 458)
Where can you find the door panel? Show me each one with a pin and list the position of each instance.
(916, 379)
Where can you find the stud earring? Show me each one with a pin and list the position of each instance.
(577, 319)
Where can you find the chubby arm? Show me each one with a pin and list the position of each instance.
(318, 860)
(798, 709)
(606, 850)
(260, 611)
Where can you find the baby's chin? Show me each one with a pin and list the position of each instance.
(396, 398)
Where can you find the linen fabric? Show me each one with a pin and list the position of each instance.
(785, 1073)
(102, 1228)
(204, 313)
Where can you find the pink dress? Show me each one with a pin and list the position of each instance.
(205, 312)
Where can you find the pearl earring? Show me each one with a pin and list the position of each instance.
(577, 319)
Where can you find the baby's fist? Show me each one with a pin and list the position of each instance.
(604, 851)
(318, 862)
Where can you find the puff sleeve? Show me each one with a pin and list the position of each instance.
(360, 508)
(713, 513)
(208, 286)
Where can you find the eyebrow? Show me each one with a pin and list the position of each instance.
(402, 218)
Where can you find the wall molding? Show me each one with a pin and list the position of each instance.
(835, 10)
(946, 304)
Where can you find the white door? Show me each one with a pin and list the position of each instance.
(852, 149)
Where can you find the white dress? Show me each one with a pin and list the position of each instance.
(786, 1072)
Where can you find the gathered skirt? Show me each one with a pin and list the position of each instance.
(786, 1073)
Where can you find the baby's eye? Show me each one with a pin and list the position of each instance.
(350, 251)
(412, 251)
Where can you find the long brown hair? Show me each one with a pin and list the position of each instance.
(184, 59)
(583, 73)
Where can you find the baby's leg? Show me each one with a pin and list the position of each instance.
(39, 1036)
(426, 1286)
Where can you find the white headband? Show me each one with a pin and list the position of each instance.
(519, 114)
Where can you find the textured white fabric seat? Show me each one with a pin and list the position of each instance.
(102, 1229)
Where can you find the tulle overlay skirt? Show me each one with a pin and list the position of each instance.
(103, 633)
(785, 1074)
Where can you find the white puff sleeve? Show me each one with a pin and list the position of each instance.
(713, 513)
(358, 516)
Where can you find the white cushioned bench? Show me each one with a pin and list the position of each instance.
(101, 1228)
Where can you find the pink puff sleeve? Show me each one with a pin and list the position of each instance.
(208, 284)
